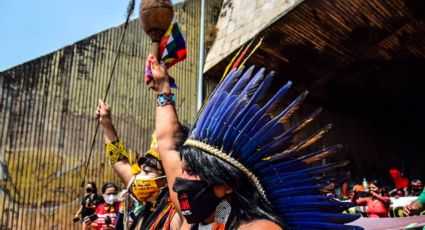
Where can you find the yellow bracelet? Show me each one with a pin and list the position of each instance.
(115, 152)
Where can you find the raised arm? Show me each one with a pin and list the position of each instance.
(384, 199)
(122, 168)
(167, 130)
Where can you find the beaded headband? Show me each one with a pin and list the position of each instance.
(228, 159)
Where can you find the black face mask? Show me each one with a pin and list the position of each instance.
(197, 200)
(89, 190)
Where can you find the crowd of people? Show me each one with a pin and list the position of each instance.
(374, 200)
(237, 168)
(99, 211)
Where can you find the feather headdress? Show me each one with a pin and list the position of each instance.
(238, 125)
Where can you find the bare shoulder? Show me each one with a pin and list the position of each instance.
(260, 225)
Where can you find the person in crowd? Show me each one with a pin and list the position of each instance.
(401, 184)
(401, 192)
(106, 212)
(416, 206)
(88, 205)
(416, 187)
(356, 191)
(377, 201)
(215, 186)
(145, 179)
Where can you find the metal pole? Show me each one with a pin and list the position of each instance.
(201, 56)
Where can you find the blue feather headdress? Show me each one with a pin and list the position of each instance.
(239, 125)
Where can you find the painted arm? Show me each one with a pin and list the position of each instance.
(122, 168)
(167, 130)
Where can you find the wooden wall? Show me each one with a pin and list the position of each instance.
(47, 118)
(363, 62)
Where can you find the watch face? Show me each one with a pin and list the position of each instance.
(163, 99)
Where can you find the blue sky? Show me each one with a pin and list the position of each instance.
(33, 28)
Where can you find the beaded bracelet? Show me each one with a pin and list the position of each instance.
(166, 98)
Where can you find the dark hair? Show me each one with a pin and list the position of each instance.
(376, 183)
(182, 136)
(109, 185)
(152, 162)
(246, 202)
(93, 185)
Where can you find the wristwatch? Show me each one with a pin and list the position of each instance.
(166, 98)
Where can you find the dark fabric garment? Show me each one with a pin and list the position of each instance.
(119, 225)
(148, 217)
(88, 201)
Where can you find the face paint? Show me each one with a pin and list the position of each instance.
(146, 188)
(196, 198)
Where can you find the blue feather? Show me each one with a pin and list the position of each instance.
(312, 225)
(214, 109)
(257, 85)
(204, 116)
(247, 122)
(278, 183)
(229, 119)
(298, 191)
(267, 150)
(228, 115)
(301, 173)
(222, 125)
(255, 82)
(282, 165)
(267, 131)
(232, 132)
(244, 137)
(253, 98)
(312, 139)
(296, 128)
(325, 217)
(218, 114)
(217, 120)
(312, 204)
(289, 133)
(242, 82)
(231, 81)
(330, 206)
(303, 199)
(253, 145)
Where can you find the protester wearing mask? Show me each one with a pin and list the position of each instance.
(145, 179)
(106, 212)
(377, 201)
(88, 204)
(221, 182)
(416, 187)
